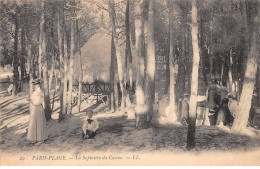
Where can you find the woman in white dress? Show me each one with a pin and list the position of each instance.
(37, 123)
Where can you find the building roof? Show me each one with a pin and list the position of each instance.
(96, 58)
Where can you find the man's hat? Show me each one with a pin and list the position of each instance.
(36, 81)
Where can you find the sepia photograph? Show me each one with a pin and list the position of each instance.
(129, 83)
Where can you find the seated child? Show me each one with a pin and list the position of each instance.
(90, 126)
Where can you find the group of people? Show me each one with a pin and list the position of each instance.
(37, 129)
(218, 101)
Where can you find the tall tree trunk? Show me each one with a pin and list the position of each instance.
(242, 111)
(245, 41)
(112, 101)
(111, 97)
(119, 57)
(53, 53)
(30, 62)
(41, 41)
(128, 56)
(145, 11)
(15, 56)
(182, 59)
(116, 91)
(30, 65)
(141, 117)
(150, 72)
(242, 5)
(55, 88)
(71, 62)
(43, 54)
(230, 80)
(128, 44)
(204, 57)
(65, 84)
(80, 69)
(172, 106)
(181, 77)
(167, 72)
(65, 61)
(34, 66)
(194, 78)
(61, 66)
(114, 77)
(209, 45)
(47, 109)
(22, 59)
(189, 67)
(222, 68)
(258, 85)
(52, 70)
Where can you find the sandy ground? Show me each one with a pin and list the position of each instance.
(116, 134)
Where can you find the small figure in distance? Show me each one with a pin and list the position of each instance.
(183, 113)
(10, 88)
(214, 100)
(217, 96)
(90, 126)
(211, 93)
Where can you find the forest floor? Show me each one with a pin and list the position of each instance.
(116, 133)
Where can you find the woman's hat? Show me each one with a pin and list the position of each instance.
(36, 81)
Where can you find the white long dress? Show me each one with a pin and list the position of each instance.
(37, 123)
